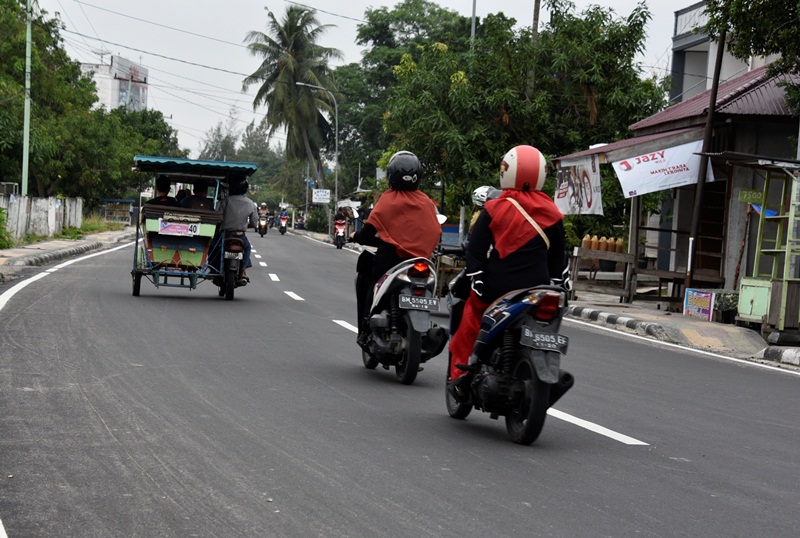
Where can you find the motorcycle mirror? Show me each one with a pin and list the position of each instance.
(355, 212)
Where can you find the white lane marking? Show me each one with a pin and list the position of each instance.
(356, 252)
(294, 296)
(274, 277)
(2, 531)
(346, 325)
(596, 428)
(689, 349)
(262, 264)
(258, 256)
(253, 250)
(8, 294)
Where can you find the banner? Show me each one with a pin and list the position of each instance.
(664, 169)
(578, 187)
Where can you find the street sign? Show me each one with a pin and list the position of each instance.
(321, 196)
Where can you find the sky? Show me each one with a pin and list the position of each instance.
(196, 55)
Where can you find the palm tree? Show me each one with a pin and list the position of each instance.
(289, 53)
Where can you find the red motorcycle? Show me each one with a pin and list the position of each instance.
(339, 233)
(284, 220)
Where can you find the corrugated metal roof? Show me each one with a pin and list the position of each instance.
(173, 165)
(633, 142)
(753, 93)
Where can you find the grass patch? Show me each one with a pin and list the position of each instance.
(92, 224)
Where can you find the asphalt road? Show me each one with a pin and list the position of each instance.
(178, 413)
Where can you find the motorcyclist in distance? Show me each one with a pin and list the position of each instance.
(402, 225)
(517, 242)
(262, 209)
(239, 214)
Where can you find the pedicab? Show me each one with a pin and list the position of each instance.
(183, 246)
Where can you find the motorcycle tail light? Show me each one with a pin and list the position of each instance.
(419, 270)
(548, 306)
(418, 291)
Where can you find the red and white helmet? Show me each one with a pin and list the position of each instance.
(524, 169)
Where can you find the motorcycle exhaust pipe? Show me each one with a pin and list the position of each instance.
(557, 390)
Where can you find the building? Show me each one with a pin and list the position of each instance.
(120, 83)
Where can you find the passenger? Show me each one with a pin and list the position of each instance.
(163, 185)
(200, 199)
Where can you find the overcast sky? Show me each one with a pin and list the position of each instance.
(196, 58)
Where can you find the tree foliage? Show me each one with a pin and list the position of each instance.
(763, 28)
(575, 86)
(290, 53)
(75, 149)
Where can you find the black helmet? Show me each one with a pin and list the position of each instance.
(404, 171)
(238, 188)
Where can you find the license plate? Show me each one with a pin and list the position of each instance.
(234, 255)
(537, 339)
(413, 302)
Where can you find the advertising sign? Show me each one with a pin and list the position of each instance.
(699, 304)
(166, 227)
(661, 170)
(578, 187)
(321, 196)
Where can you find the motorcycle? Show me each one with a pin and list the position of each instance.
(263, 225)
(339, 237)
(283, 222)
(232, 274)
(517, 373)
(401, 334)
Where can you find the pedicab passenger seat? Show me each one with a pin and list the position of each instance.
(178, 250)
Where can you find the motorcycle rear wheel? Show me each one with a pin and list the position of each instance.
(525, 423)
(230, 284)
(406, 370)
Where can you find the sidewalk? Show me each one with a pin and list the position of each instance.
(643, 318)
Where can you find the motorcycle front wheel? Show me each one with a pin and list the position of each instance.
(525, 423)
(406, 370)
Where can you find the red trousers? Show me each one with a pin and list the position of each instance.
(463, 340)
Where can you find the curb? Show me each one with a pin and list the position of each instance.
(779, 354)
(55, 255)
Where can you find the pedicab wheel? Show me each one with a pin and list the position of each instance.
(406, 370)
(525, 423)
(137, 283)
(454, 408)
(230, 284)
(370, 362)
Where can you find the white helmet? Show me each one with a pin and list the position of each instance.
(482, 194)
(524, 168)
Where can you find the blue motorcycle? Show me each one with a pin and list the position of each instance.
(517, 357)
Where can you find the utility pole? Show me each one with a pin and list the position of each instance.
(26, 133)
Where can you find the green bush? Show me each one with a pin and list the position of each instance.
(317, 220)
(6, 241)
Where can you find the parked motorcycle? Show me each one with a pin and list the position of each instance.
(401, 333)
(232, 268)
(284, 220)
(339, 230)
(519, 348)
(263, 225)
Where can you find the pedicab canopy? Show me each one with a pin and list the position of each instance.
(228, 171)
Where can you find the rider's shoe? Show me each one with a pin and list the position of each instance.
(459, 389)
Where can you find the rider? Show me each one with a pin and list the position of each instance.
(239, 214)
(402, 225)
(262, 209)
(517, 242)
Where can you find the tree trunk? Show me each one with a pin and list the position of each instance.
(310, 157)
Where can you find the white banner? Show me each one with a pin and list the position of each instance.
(664, 169)
(321, 196)
(578, 187)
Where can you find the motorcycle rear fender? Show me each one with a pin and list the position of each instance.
(546, 364)
(420, 320)
(232, 265)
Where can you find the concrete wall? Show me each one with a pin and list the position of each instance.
(43, 217)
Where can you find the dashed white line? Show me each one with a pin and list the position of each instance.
(294, 296)
(258, 256)
(262, 264)
(346, 325)
(596, 428)
(274, 277)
